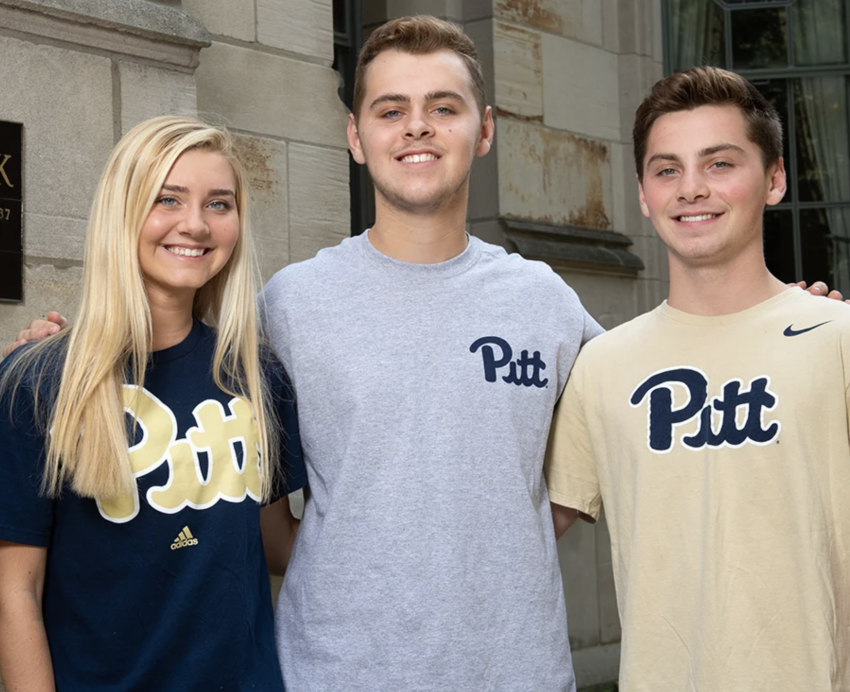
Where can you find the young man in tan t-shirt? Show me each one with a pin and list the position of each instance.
(715, 428)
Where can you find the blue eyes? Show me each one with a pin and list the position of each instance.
(171, 202)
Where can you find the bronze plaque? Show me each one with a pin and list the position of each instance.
(11, 212)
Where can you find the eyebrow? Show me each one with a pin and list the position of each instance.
(403, 98)
(215, 192)
(702, 153)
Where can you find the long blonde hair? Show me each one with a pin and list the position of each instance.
(111, 335)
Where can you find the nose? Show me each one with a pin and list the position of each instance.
(418, 124)
(692, 186)
(195, 221)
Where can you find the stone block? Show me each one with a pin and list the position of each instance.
(637, 23)
(231, 18)
(46, 288)
(297, 26)
(148, 91)
(265, 163)
(609, 616)
(271, 95)
(611, 25)
(518, 72)
(637, 74)
(650, 293)
(580, 19)
(577, 555)
(597, 665)
(657, 33)
(319, 213)
(581, 91)
(654, 255)
(68, 134)
(609, 298)
(554, 177)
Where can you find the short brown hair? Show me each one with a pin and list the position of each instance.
(709, 86)
(419, 35)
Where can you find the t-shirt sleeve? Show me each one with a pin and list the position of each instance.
(292, 474)
(26, 516)
(592, 328)
(570, 467)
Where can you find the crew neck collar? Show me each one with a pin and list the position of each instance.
(184, 347)
(673, 315)
(449, 267)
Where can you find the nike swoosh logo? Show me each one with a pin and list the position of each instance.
(796, 332)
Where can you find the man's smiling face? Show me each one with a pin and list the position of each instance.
(419, 129)
(705, 185)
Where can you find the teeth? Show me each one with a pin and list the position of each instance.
(700, 217)
(419, 158)
(186, 252)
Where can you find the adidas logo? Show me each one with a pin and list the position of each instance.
(184, 539)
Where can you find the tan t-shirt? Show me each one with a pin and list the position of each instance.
(719, 447)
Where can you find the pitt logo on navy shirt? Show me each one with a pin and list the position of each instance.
(718, 419)
(524, 370)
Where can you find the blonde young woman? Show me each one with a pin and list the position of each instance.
(131, 555)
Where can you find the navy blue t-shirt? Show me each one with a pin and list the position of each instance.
(167, 590)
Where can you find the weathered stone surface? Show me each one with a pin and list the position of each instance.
(597, 665)
(484, 186)
(580, 19)
(136, 28)
(639, 21)
(318, 199)
(269, 94)
(654, 255)
(45, 288)
(265, 163)
(577, 555)
(148, 91)
(580, 88)
(609, 617)
(518, 72)
(490, 231)
(637, 74)
(232, 18)
(553, 177)
(68, 134)
(298, 26)
(477, 9)
(611, 25)
(610, 299)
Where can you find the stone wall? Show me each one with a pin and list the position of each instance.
(78, 76)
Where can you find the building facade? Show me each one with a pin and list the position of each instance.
(564, 78)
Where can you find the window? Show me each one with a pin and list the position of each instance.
(796, 53)
(347, 41)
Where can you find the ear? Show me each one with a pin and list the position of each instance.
(354, 145)
(488, 131)
(776, 183)
(642, 197)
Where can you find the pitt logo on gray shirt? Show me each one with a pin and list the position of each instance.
(522, 371)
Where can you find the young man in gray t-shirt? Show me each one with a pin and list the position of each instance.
(426, 365)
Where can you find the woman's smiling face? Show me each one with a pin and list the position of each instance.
(193, 226)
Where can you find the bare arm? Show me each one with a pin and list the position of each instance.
(279, 530)
(25, 664)
(564, 517)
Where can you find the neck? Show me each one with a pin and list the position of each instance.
(420, 238)
(171, 318)
(721, 289)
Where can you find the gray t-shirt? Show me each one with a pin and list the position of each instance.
(426, 560)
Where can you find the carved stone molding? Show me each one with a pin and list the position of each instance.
(162, 33)
(574, 246)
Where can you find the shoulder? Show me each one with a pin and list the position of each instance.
(514, 270)
(327, 261)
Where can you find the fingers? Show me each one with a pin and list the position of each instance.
(38, 329)
(56, 318)
(835, 295)
(799, 284)
(11, 347)
(819, 288)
